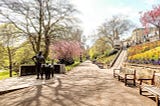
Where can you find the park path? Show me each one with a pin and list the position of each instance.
(85, 85)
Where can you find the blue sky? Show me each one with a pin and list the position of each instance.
(94, 12)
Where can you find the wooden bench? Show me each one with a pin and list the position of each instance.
(116, 72)
(152, 88)
(126, 75)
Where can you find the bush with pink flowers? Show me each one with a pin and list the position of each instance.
(65, 51)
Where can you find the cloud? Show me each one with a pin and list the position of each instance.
(94, 13)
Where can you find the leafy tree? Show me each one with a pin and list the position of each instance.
(151, 17)
(9, 36)
(65, 51)
(2, 56)
(39, 20)
(99, 47)
(24, 54)
(114, 28)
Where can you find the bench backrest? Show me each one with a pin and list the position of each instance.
(130, 71)
(127, 70)
(122, 70)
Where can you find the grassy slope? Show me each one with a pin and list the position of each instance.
(5, 74)
(106, 60)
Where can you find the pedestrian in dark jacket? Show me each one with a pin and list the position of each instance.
(39, 60)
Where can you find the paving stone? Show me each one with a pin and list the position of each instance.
(85, 85)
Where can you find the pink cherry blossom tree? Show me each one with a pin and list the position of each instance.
(151, 17)
(66, 50)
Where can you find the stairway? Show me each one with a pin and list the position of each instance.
(122, 57)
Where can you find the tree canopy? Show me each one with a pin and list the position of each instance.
(114, 28)
(39, 20)
(151, 17)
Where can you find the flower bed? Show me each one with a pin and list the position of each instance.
(148, 53)
(142, 48)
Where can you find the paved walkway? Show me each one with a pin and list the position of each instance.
(16, 83)
(85, 85)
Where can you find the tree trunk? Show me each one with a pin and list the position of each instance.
(10, 61)
(159, 32)
(40, 26)
(47, 44)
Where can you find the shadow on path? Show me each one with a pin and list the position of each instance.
(86, 85)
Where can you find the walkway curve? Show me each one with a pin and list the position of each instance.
(85, 85)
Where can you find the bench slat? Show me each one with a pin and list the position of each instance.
(152, 89)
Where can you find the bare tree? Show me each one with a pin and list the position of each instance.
(38, 19)
(114, 28)
(70, 33)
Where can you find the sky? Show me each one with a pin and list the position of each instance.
(94, 12)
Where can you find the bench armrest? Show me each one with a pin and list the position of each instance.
(114, 70)
(146, 79)
(129, 74)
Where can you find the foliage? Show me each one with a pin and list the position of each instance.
(112, 52)
(5, 74)
(151, 17)
(150, 54)
(106, 53)
(105, 59)
(65, 51)
(39, 20)
(70, 67)
(99, 47)
(10, 34)
(24, 54)
(92, 53)
(2, 56)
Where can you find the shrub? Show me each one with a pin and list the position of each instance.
(114, 51)
(66, 61)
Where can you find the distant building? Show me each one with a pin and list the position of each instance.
(139, 35)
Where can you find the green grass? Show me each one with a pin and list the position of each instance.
(106, 60)
(5, 74)
(70, 67)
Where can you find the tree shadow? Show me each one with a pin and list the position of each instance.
(28, 101)
(66, 96)
(37, 96)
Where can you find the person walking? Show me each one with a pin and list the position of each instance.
(39, 60)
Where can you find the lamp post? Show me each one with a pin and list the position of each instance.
(80, 58)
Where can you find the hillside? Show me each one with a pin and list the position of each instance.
(147, 53)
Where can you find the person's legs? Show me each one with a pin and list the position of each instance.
(52, 71)
(47, 72)
(42, 70)
(38, 70)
